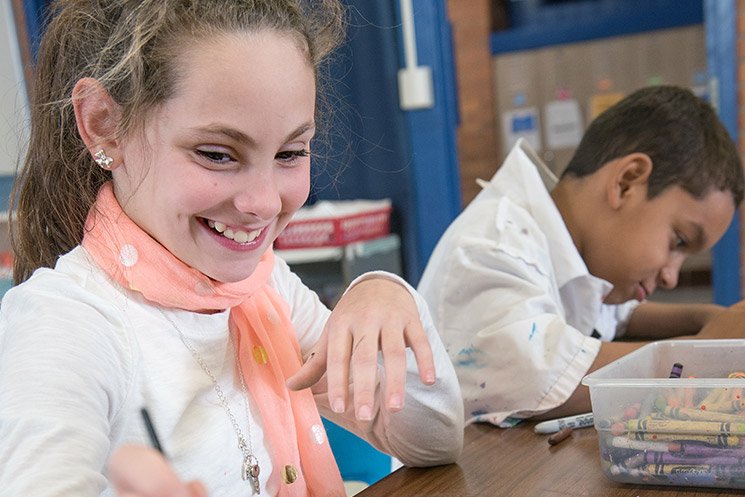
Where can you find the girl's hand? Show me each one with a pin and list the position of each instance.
(374, 315)
(138, 471)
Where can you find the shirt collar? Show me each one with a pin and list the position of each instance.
(530, 182)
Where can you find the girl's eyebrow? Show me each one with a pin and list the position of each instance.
(241, 137)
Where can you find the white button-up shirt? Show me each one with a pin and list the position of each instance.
(518, 311)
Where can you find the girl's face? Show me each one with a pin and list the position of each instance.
(223, 165)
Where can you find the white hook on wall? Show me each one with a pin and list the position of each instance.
(415, 89)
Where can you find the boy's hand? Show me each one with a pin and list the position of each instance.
(138, 471)
(375, 315)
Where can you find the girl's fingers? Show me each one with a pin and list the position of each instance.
(416, 339)
(364, 372)
(393, 347)
(337, 369)
(314, 368)
(143, 472)
(197, 489)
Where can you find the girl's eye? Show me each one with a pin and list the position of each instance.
(680, 241)
(290, 156)
(215, 156)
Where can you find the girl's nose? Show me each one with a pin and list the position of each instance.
(256, 194)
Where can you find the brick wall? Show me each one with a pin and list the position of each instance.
(477, 135)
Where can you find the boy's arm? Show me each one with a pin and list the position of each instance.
(730, 323)
(579, 401)
(657, 320)
(654, 321)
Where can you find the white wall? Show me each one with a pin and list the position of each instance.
(13, 97)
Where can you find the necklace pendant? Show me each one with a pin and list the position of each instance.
(250, 472)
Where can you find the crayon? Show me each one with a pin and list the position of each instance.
(625, 443)
(643, 458)
(725, 406)
(560, 435)
(698, 414)
(699, 480)
(676, 371)
(694, 427)
(698, 449)
(716, 440)
(637, 474)
(695, 469)
(631, 411)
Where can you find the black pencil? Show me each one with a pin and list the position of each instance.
(151, 431)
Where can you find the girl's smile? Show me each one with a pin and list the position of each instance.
(242, 238)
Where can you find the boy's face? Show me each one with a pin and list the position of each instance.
(643, 244)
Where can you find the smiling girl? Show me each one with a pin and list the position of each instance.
(170, 145)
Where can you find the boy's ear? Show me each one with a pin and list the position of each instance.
(97, 117)
(629, 173)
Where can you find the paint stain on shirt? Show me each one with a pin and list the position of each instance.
(469, 358)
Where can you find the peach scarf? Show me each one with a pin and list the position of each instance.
(259, 319)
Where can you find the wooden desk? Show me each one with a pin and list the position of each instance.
(516, 462)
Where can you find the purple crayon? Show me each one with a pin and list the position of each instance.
(705, 450)
(667, 458)
(677, 370)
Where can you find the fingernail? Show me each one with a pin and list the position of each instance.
(338, 406)
(395, 402)
(429, 378)
(364, 413)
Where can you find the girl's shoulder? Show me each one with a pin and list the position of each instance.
(75, 281)
(73, 299)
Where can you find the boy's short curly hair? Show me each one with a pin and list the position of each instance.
(688, 144)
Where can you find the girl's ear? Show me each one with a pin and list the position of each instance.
(97, 117)
(630, 174)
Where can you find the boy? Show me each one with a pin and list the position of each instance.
(532, 282)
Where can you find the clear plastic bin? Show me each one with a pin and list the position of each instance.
(658, 430)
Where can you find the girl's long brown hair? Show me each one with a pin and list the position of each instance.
(132, 47)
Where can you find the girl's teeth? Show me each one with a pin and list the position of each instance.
(237, 235)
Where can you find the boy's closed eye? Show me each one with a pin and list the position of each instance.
(680, 242)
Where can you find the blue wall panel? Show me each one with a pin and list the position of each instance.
(376, 149)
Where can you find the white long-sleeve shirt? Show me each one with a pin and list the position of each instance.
(513, 300)
(80, 356)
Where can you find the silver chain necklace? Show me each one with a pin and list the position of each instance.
(250, 467)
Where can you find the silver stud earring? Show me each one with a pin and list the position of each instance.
(103, 160)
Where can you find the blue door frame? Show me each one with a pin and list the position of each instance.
(434, 163)
(720, 17)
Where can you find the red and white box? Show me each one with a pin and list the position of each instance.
(336, 223)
